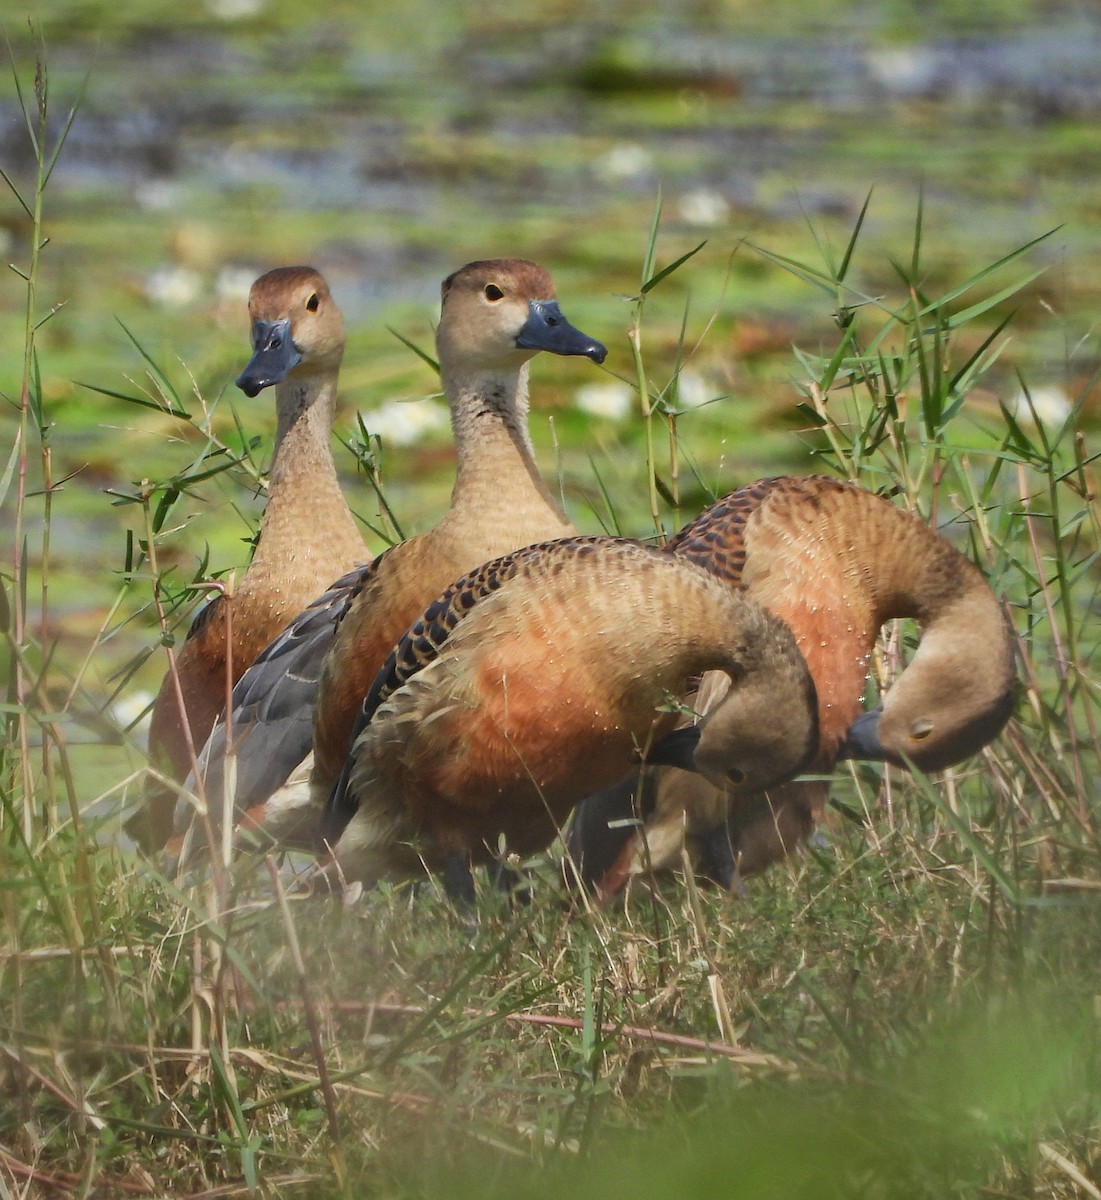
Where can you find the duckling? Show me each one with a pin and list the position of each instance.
(834, 562)
(495, 316)
(544, 674)
(298, 344)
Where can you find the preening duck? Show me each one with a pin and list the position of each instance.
(542, 675)
(303, 693)
(834, 562)
(298, 343)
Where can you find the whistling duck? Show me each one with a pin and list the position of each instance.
(834, 562)
(495, 316)
(542, 675)
(298, 343)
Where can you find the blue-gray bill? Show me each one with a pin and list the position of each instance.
(547, 329)
(274, 355)
(862, 740)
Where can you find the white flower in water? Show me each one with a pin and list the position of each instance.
(625, 161)
(128, 708)
(157, 195)
(234, 10)
(234, 283)
(610, 400)
(906, 70)
(693, 391)
(704, 207)
(1050, 403)
(173, 287)
(403, 422)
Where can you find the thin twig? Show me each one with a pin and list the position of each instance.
(308, 1006)
(635, 1032)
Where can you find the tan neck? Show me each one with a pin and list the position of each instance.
(306, 505)
(496, 475)
(836, 562)
(964, 664)
(917, 573)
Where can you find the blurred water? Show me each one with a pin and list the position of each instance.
(187, 122)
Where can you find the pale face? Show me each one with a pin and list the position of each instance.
(763, 732)
(296, 326)
(498, 313)
(936, 714)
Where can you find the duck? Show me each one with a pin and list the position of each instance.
(834, 561)
(297, 335)
(541, 675)
(292, 714)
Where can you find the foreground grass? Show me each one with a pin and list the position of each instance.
(899, 1032)
(907, 1010)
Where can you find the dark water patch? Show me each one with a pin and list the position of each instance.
(1044, 73)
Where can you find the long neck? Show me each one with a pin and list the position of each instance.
(307, 519)
(496, 476)
(836, 562)
(914, 572)
(963, 670)
(963, 624)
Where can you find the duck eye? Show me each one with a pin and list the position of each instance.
(736, 776)
(312, 303)
(493, 292)
(921, 730)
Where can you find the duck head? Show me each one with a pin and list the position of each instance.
(296, 326)
(930, 735)
(955, 696)
(498, 313)
(764, 729)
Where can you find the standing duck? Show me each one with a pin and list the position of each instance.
(541, 675)
(305, 690)
(298, 344)
(834, 562)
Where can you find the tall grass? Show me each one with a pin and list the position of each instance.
(907, 1010)
(1013, 487)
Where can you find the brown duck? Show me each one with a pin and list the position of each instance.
(298, 344)
(305, 690)
(834, 562)
(542, 674)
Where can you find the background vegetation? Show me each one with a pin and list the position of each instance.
(911, 1008)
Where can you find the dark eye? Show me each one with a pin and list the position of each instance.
(493, 292)
(736, 776)
(311, 303)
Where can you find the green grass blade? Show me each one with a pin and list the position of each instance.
(142, 401)
(162, 380)
(919, 224)
(18, 195)
(965, 316)
(650, 256)
(993, 268)
(423, 355)
(850, 249)
(665, 272)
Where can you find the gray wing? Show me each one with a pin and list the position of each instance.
(272, 726)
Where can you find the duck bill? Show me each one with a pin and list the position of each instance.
(547, 329)
(274, 355)
(862, 740)
(676, 749)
